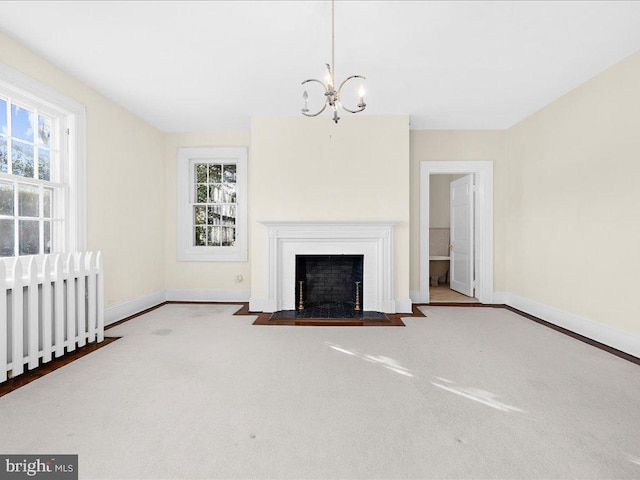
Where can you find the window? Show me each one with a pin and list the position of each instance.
(212, 219)
(41, 168)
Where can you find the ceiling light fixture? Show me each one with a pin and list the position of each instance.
(332, 96)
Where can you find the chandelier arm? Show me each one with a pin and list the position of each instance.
(342, 85)
(317, 81)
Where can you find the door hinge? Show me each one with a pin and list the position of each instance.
(67, 131)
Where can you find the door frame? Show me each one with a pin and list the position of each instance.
(483, 232)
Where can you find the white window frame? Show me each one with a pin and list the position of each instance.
(72, 150)
(187, 251)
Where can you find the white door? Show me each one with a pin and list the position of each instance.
(461, 233)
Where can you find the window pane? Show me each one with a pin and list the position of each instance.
(22, 159)
(214, 216)
(22, 124)
(44, 131)
(47, 237)
(214, 236)
(229, 215)
(228, 237)
(29, 237)
(6, 238)
(201, 173)
(6, 198)
(229, 193)
(201, 194)
(4, 159)
(46, 202)
(200, 236)
(44, 164)
(215, 173)
(230, 173)
(28, 201)
(215, 194)
(200, 215)
(3, 117)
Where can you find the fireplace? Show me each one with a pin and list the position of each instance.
(286, 240)
(329, 279)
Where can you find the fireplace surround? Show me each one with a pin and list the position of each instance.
(372, 240)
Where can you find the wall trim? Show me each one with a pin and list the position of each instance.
(404, 305)
(598, 332)
(131, 307)
(258, 304)
(418, 297)
(206, 295)
(483, 180)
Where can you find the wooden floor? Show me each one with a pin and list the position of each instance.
(393, 320)
(46, 368)
(444, 294)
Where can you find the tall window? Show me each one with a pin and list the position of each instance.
(41, 168)
(212, 210)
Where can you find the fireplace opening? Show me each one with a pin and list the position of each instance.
(329, 281)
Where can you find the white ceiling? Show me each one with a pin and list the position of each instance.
(209, 66)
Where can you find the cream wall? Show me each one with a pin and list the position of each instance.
(312, 169)
(198, 275)
(572, 218)
(460, 145)
(125, 181)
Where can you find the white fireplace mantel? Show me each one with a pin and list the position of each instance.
(285, 240)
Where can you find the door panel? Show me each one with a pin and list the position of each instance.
(461, 248)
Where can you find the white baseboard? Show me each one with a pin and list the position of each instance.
(131, 307)
(206, 295)
(419, 297)
(610, 336)
(123, 310)
(261, 304)
(403, 305)
(500, 298)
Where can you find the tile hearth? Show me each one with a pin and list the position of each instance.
(329, 310)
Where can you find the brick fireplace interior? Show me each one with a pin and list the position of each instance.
(328, 280)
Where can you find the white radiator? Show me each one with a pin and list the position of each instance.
(49, 305)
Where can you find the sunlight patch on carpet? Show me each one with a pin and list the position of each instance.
(386, 362)
(478, 395)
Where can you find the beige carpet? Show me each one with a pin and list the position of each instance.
(192, 391)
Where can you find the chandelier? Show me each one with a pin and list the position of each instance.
(332, 96)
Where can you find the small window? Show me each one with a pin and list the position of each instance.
(212, 219)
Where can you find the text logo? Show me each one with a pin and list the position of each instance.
(50, 467)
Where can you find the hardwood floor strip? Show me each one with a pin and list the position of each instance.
(45, 368)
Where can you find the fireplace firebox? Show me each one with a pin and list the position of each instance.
(323, 280)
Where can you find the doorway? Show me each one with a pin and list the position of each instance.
(482, 219)
(451, 245)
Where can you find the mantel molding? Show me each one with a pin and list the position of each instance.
(373, 240)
